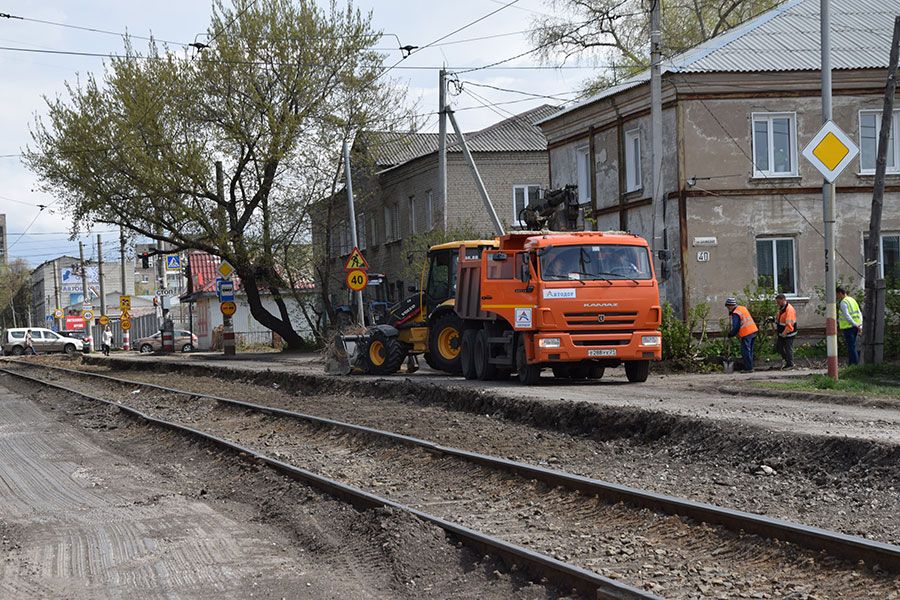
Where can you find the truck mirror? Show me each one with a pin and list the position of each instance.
(525, 274)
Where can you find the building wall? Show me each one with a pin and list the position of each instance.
(207, 316)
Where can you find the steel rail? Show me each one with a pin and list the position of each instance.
(848, 547)
(564, 574)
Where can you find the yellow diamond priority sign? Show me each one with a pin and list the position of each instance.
(225, 269)
(830, 151)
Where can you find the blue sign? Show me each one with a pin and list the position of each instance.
(173, 262)
(225, 290)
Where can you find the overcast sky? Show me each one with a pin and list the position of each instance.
(26, 77)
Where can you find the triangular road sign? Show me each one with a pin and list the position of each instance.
(356, 261)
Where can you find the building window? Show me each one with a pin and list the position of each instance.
(361, 230)
(583, 167)
(633, 160)
(391, 223)
(523, 195)
(889, 263)
(411, 203)
(776, 265)
(774, 145)
(869, 129)
(429, 210)
(373, 230)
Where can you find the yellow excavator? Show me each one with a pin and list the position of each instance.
(421, 324)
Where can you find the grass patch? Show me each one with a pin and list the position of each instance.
(875, 381)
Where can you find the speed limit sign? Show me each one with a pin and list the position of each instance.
(357, 280)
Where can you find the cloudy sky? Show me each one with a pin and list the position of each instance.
(28, 76)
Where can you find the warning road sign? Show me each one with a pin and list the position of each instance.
(830, 151)
(357, 280)
(356, 261)
(125, 303)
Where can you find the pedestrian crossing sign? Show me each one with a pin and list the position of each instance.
(173, 262)
(356, 261)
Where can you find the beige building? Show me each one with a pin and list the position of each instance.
(741, 203)
(400, 199)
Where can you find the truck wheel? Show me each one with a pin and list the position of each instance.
(528, 374)
(637, 370)
(384, 354)
(430, 361)
(467, 354)
(561, 371)
(484, 370)
(444, 343)
(595, 372)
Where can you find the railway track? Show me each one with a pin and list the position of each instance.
(543, 511)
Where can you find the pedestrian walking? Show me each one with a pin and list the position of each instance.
(850, 323)
(786, 326)
(106, 340)
(744, 327)
(29, 343)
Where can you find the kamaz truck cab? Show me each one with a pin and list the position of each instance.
(575, 302)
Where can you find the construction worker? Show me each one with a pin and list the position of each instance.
(744, 327)
(850, 323)
(786, 326)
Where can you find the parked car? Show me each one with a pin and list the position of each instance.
(184, 341)
(44, 340)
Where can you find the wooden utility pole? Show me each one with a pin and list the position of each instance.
(873, 306)
(85, 295)
(100, 275)
(442, 147)
(656, 194)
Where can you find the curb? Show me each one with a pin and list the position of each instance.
(809, 396)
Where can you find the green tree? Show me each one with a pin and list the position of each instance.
(277, 88)
(15, 293)
(615, 34)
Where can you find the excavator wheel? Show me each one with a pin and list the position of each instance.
(383, 355)
(445, 343)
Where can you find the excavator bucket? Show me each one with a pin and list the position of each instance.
(346, 353)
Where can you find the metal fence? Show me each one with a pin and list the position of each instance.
(140, 327)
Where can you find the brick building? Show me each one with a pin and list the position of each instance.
(396, 191)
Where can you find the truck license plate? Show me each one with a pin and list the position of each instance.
(610, 352)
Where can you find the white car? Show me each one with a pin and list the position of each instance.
(44, 341)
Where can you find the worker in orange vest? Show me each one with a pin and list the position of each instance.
(786, 325)
(743, 326)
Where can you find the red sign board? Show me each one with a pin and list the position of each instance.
(74, 323)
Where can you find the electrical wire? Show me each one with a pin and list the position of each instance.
(90, 29)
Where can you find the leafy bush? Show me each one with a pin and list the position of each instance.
(679, 342)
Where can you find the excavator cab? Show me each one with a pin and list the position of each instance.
(440, 284)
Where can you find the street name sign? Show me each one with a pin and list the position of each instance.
(356, 261)
(830, 151)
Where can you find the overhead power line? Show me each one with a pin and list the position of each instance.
(90, 29)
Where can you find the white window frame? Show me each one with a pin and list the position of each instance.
(792, 133)
(583, 172)
(773, 239)
(411, 208)
(634, 180)
(429, 210)
(894, 127)
(388, 223)
(884, 234)
(525, 188)
(373, 228)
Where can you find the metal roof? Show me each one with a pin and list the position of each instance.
(515, 134)
(785, 38)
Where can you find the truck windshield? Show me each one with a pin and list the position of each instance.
(589, 262)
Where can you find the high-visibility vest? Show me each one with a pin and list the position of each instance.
(787, 320)
(853, 309)
(748, 325)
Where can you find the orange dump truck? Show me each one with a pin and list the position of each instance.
(576, 302)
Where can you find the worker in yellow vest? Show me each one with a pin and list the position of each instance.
(850, 323)
(744, 327)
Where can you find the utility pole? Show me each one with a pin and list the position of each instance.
(442, 146)
(12, 304)
(100, 275)
(126, 337)
(873, 310)
(660, 246)
(831, 343)
(351, 211)
(228, 343)
(56, 296)
(488, 205)
(85, 294)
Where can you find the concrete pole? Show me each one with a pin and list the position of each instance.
(659, 215)
(126, 336)
(228, 341)
(351, 211)
(442, 147)
(85, 294)
(831, 342)
(488, 205)
(100, 275)
(56, 295)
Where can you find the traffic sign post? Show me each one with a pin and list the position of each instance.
(125, 307)
(228, 308)
(125, 324)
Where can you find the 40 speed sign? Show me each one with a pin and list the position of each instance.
(357, 280)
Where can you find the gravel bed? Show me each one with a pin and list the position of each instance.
(860, 500)
(664, 554)
(346, 553)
